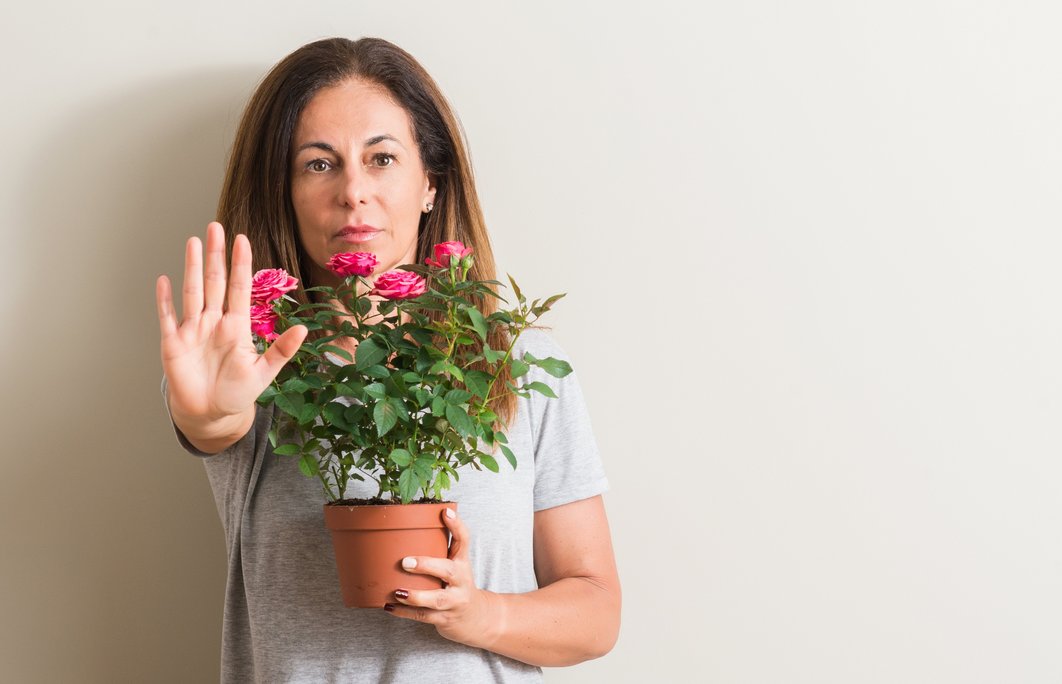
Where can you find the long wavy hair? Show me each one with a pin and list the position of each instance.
(256, 196)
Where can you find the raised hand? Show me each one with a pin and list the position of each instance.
(214, 373)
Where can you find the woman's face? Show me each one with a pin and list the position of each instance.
(357, 180)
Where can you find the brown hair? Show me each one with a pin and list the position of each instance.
(256, 197)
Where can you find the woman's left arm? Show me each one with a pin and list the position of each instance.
(573, 616)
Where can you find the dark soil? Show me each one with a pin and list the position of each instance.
(376, 501)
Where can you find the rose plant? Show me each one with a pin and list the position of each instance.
(412, 405)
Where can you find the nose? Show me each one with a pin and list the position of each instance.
(353, 188)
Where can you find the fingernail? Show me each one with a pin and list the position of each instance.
(401, 593)
(389, 607)
(409, 563)
(450, 513)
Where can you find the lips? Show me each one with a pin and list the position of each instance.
(359, 233)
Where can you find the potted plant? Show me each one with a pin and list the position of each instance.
(408, 410)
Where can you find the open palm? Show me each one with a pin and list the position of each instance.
(213, 370)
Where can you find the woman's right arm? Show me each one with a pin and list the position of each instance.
(213, 371)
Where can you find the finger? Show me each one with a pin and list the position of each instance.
(193, 279)
(459, 541)
(279, 353)
(240, 281)
(214, 273)
(443, 568)
(413, 613)
(164, 303)
(433, 599)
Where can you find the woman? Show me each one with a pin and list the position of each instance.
(350, 146)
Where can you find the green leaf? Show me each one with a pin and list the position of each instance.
(488, 461)
(493, 355)
(295, 384)
(333, 415)
(353, 414)
(508, 455)
(377, 371)
(307, 413)
(369, 353)
(290, 404)
(308, 466)
(519, 368)
(478, 382)
(438, 406)
(341, 353)
(555, 367)
(457, 396)
(400, 409)
(551, 301)
(408, 484)
(287, 450)
(349, 389)
(454, 371)
(376, 390)
(422, 467)
(478, 322)
(422, 336)
(516, 289)
(401, 457)
(267, 394)
(541, 388)
(458, 417)
(385, 416)
(501, 316)
(396, 386)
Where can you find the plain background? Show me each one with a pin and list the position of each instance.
(812, 253)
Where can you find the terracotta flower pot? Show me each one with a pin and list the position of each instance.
(371, 541)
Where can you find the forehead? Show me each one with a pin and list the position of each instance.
(353, 108)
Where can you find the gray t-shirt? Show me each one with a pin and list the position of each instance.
(284, 615)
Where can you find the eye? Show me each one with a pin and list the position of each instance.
(383, 159)
(318, 165)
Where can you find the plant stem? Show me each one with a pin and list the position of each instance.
(324, 482)
(508, 353)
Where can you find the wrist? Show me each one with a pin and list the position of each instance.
(213, 435)
(496, 617)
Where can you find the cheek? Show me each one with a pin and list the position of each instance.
(412, 196)
(305, 205)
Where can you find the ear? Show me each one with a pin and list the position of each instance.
(429, 191)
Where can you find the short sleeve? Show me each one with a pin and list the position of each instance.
(567, 462)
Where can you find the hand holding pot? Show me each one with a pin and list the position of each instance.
(460, 612)
(214, 373)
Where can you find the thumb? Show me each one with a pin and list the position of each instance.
(280, 352)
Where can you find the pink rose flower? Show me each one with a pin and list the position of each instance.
(271, 283)
(352, 264)
(444, 251)
(263, 321)
(399, 285)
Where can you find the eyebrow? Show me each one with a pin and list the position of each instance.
(374, 140)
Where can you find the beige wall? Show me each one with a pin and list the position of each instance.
(812, 252)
